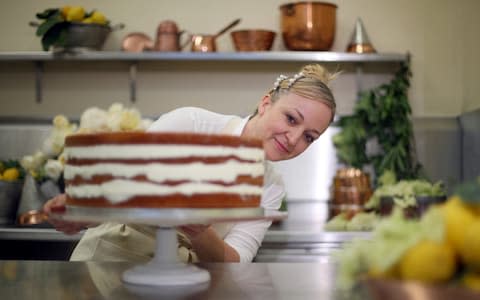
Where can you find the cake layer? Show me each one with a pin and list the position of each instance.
(176, 200)
(156, 138)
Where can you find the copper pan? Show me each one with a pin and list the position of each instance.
(207, 42)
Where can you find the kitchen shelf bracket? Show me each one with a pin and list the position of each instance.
(133, 80)
(39, 69)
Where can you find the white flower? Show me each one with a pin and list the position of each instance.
(145, 124)
(115, 108)
(114, 118)
(130, 119)
(33, 162)
(53, 145)
(94, 119)
(53, 169)
(60, 121)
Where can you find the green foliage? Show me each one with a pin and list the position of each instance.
(53, 29)
(469, 191)
(382, 114)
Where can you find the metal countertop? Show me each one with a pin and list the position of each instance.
(92, 280)
(272, 236)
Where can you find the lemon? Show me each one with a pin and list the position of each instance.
(64, 10)
(87, 20)
(429, 262)
(470, 250)
(75, 13)
(98, 18)
(390, 273)
(472, 281)
(11, 174)
(458, 217)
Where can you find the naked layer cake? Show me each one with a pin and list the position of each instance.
(163, 170)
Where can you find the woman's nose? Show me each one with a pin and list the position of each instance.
(293, 136)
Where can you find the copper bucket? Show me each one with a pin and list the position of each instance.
(308, 25)
(351, 190)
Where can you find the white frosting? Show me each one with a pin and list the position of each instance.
(119, 190)
(197, 171)
(140, 151)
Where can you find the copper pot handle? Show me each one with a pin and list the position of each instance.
(290, 9)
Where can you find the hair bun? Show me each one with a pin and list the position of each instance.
(318, 72)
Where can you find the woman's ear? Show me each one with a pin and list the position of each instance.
(264, 103)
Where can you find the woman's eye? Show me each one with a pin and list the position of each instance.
(291, 119)
(309, 138)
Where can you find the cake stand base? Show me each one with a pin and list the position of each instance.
(166, 274)
(165, 269)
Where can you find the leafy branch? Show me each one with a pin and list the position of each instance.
(381, 116)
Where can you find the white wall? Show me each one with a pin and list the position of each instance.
(441, 35)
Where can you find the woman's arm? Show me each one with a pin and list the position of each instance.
(58, 203)
(208, 246)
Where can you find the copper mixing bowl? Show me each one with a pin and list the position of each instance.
(253, 39)
(308, 25)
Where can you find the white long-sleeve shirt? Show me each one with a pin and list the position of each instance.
(244, 237)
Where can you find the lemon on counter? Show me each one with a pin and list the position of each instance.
(75, 13)
(428, 261)
(11, 174)
(470, 249)
(458, 217)
(472, 281)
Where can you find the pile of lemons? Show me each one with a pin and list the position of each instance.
(78, 14)
(454, 259)
(9, 173)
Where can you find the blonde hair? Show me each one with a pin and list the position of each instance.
(311, 82)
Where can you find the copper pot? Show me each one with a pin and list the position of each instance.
(206, 42)
(308, 25)
(203, 43)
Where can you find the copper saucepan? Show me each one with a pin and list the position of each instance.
(207, 42)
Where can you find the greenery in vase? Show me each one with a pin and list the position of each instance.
(382, 115)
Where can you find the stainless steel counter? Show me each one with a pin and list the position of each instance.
(80, 280)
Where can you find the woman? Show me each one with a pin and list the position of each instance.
(294, 113)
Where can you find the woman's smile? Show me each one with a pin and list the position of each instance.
(280, 146)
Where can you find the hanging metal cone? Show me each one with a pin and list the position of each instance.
(359, 42)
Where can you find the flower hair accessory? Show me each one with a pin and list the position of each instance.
(294, 79)
(280, 78)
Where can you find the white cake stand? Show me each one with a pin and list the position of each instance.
(165, 269)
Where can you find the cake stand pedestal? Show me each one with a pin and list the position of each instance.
(165, 269)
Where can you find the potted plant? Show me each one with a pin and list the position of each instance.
(379, 133)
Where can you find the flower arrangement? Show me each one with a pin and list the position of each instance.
(47, 163)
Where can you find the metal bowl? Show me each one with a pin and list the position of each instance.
(87, 36)
(253, 39)
(10, 193)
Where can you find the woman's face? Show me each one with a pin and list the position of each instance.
(288, 126)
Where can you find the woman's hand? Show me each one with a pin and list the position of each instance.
(192, 231)
(57, 204)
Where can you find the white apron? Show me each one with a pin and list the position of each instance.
(136, 243)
